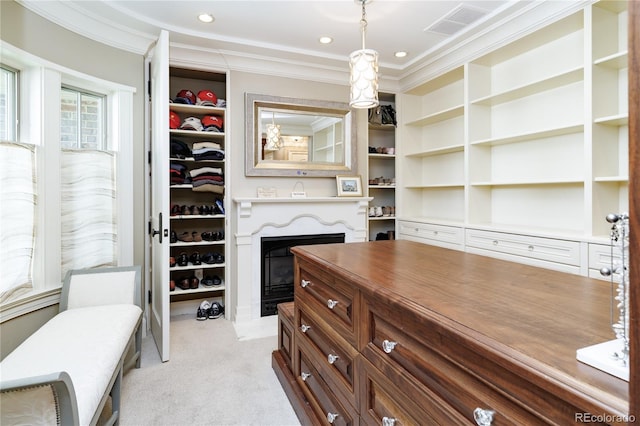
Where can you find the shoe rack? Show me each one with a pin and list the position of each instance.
(197, 263)
(381, 176)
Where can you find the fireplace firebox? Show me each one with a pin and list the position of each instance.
(277, 267)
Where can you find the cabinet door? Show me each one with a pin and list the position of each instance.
(158, 58)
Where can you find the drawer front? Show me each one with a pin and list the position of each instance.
(428, 233)
(384, 403)
(332, 354)
(600, 256)
(407, 350)
(325, 405)
(547, 249)
(334, 300)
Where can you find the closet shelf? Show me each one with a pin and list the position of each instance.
(436, 185)
(446, 114)
(539, 134)
(552, 82)
(613, 120)
(437, 151)
(531, 182)
(201, 289)
(616, 61)
(197, 109)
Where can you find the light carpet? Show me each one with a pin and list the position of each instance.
(212, 378)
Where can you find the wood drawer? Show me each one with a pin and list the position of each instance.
(323, 401)
(334, 300)
(421, 365)
(333, 356)
(285, 332)
(428, 233)
(545, 249)
(385, 403)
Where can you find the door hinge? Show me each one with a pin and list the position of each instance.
(149, 157)
(149, 298)
(149, 228)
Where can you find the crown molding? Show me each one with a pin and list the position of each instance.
(517, 19)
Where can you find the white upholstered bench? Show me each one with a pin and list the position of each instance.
(65, 372)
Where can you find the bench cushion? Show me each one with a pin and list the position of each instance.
(87, 343)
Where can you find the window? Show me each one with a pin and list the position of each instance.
(88, 176)
(8, 104)
(66, 198)
(82, 118)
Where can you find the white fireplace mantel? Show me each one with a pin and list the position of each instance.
(263, 217)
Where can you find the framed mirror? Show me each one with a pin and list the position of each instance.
(298, 137)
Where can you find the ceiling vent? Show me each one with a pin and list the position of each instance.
(456, 20)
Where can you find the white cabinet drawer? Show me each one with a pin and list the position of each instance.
(546, 249)
(429, 233)
(600, 256)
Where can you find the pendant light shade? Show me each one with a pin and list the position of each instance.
(363, 65)
(273, 136)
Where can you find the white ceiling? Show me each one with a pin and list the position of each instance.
(286, 29)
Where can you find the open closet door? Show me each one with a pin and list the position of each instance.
(158, 60)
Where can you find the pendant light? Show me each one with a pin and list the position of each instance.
(273, 135)
(363, 65)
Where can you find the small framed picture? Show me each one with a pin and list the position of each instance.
(349, 186)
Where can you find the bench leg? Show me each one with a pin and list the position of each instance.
(115, 399)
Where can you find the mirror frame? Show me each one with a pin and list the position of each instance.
(254, 166)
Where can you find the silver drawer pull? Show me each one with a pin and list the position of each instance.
(483, 417)
(332, 358)
(304, 328)
(332, 303)
(495, 242)
(388, 346)
(388, 421)
(304, 283)
(304, 376)
(530, 248)
(331, 417)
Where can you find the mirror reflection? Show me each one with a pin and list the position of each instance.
(301, 136)
(293, 137)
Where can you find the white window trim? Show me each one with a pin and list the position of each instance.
(40, 85)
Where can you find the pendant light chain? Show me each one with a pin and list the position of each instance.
(363, 23)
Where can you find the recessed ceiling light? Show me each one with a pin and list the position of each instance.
(400, 54)
(325, 39)
(205, 17)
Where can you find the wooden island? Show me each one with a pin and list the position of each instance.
(399, 333)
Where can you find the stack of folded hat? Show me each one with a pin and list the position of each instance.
(207, 151)
(207, 179)
(204, 98)
(178, 174)
(179, 149)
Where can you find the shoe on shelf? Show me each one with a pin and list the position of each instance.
(172, 285)
(372, 211)
(216, 310)
(196, 237)
(220, 206)
(212, 258)
(203, 310)
(183, 283)
(209, 281)
(194, 282)
(185, 237)
(172, 262)
(379, 211)
(174, 237)
(195, 258)
(182, 259)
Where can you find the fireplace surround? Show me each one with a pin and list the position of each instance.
(268, 217)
